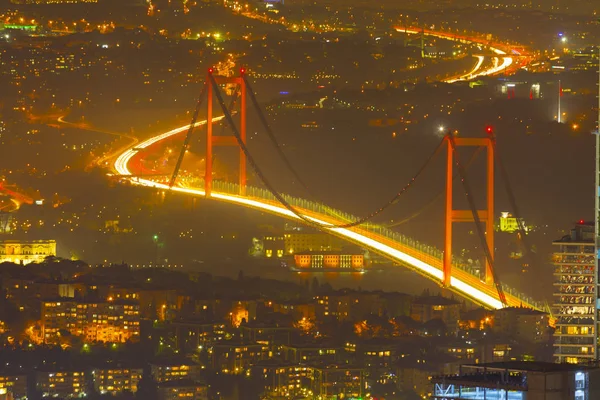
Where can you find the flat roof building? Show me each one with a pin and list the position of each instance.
(519, 380)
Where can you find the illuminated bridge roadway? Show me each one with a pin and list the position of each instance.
(425, 260)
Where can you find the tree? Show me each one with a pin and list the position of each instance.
(147, 387)
(314, 287)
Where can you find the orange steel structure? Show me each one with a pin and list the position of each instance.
(453, 215)
(213, 141)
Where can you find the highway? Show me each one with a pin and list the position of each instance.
(104, 159)
(417, 259)
(506, 54)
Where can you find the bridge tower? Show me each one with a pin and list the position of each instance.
(452, 215)
(222, 140)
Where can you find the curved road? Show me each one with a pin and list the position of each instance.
(505, 53)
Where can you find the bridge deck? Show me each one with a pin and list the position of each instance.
(423, 259)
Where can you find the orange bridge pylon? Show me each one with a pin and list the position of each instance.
(221, 140)
(453, 215)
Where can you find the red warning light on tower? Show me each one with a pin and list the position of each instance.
(489, 130)
(242, 70)
(211, 70)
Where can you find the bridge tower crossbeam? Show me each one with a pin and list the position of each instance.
(221, 140)
(452, 215)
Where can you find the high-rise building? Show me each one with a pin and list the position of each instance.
(575, 296)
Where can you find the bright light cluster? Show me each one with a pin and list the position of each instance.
(474, 73)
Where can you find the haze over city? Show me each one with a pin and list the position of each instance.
(273, 199)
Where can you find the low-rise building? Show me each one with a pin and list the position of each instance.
(332, 381)
(311, 352)
(14, 385)
(235, 357)
(381, 352)
(61, 383)
(426, 308)
(193, 335)
(116, 379)
(282, 379)
(414, 373)
(165, 370)
(522, 324)
(519, 380)
(297, 310)
(271, 333)
(182, 389)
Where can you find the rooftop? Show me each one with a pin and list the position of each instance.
(531, 366)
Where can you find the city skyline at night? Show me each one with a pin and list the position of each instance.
(299, 199)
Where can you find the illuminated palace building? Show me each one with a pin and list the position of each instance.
(109, 321)
(296, 240)
(19, 252)
(312, 251)
(575, 296)
(320, 260)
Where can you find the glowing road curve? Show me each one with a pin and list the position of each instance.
(477, 71)
(462, 282)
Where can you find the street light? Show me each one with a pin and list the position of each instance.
(155, 240)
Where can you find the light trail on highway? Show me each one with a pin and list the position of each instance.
(121, 166)
(477, 71)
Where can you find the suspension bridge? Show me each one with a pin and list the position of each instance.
(484, 289)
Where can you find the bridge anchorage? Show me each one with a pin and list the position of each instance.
(428, 261)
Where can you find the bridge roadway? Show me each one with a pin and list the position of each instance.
(420, 258)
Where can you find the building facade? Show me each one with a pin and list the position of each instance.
(426, 308)
(108, 321)
(173, 370)
(61, 383)
(13, 385)
(522, 324)
(115, 380)
(20, 252)
(338, 381)
(322, 260)
(519, 380)
(575, 296)
(182, 389)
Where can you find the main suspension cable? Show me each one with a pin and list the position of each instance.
(188, 136)
(281, 198)
(272, 136)
(512, 200)
(436, 198)
(479, 228)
